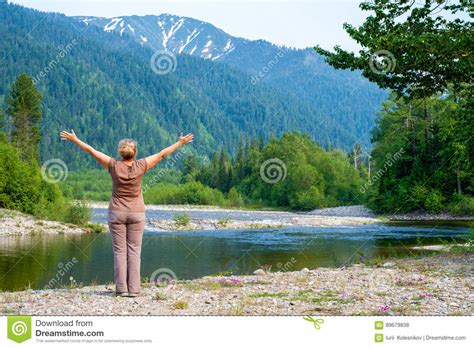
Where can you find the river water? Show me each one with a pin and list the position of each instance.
(38, 260)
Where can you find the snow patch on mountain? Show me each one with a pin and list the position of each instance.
(207, 47)
(180, 35)
(113, 24)
(87, 20)
(228, 45)
(190, 38)
(168, 35)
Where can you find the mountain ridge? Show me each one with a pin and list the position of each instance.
(105, 89)
(301, 73)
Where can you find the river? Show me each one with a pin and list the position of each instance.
(38, 260)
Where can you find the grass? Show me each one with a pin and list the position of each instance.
(181, 219)
(93, 227)
(222, 274)
(269, 295)
(181, 305)
(223, 222)
(309, 295)
(254, 225)
(159, 296)
(10, 298)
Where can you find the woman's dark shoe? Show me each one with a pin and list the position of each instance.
(133, 294)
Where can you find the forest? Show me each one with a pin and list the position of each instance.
(421, 156)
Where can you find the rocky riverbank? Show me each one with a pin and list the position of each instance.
(215, 224)
(436, 285)
(14, 223)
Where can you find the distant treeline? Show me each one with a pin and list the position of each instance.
(288, 172)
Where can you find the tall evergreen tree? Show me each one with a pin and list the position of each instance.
(24, 112)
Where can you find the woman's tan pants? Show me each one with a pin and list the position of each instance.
(127, 232)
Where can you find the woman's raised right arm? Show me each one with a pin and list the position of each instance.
(100, 157)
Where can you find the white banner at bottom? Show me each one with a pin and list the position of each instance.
(113, 331)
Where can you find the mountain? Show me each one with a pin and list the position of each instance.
(344, 96)
(104, 87)
(179, 35)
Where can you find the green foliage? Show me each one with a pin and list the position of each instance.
(181, 305)
(234, 198)
(314, 178)
(95, 227)
(214, 101)
(224, 222)
(22, 187)
(410, 47)
(462, 205)
(24, 112)
(290, 171)
(78, 213)
(181, 219)
(423, 151)
(434, 202)
(93, 184)
(189, 193)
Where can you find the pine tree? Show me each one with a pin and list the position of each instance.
(24, 112)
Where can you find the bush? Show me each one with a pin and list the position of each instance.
(234, 198)
(309, 199)
(189, 193)
(181, 219)
(461, 205)
(23, 188)
(93, 227)
(417, 197)
(78, 213)
(434, 202)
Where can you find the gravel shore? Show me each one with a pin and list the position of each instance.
(436, 285)
(14, 223)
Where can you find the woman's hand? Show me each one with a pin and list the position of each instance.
(69, 136)
(183, 140)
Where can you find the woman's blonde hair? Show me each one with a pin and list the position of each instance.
(127, 148)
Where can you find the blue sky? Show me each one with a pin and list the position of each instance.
(300, 23)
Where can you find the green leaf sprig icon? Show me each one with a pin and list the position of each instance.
(316, 322)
